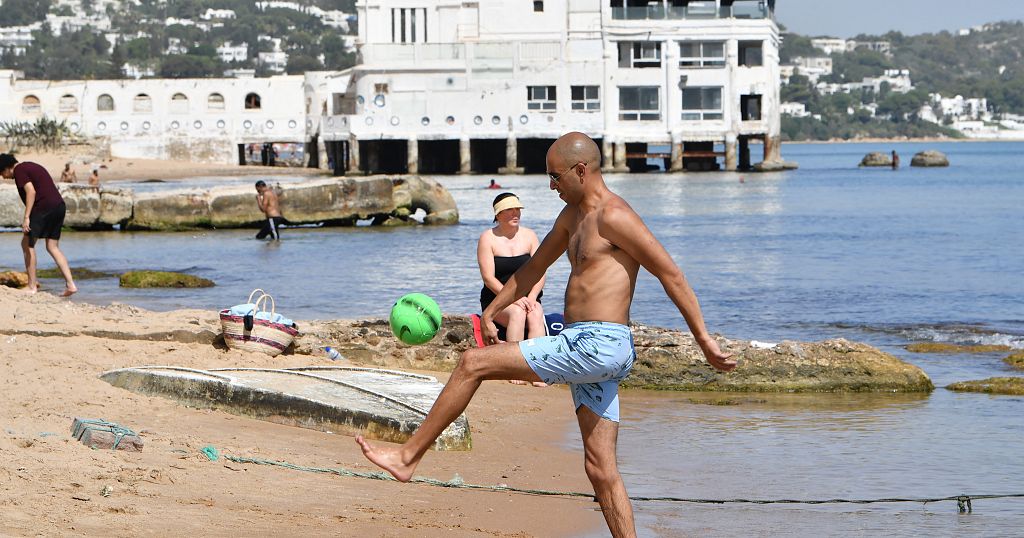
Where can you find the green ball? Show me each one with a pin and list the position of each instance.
(415, 318)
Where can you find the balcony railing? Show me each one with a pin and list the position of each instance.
(739, 10)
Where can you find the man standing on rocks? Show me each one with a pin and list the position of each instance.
(44, 217)
(607, 243)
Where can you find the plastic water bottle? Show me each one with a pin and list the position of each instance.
(333, 354)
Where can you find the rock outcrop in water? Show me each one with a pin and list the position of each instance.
(666, 359)
(993, 385)
(334, 201)
(929, 158)
(876, 158)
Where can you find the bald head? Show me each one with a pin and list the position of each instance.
(575, 147)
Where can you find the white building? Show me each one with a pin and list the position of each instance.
(18, 39)
(450, 86)
(217, 14)
(275, 62)
(233, 53)
(811, 67)
(829, 45)
(797, 110)
(201, 120)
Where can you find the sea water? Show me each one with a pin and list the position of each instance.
(873, 255)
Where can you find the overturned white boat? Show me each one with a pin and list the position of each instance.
(380, 404)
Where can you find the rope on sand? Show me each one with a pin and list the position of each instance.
(963, 501)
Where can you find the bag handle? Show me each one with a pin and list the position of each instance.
(263, 300)
(249, 300)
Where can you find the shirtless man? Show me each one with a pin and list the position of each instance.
(266, 199)
(607, 243)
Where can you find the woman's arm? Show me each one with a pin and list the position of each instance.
(485, 259)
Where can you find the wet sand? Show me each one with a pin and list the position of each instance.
(52, 351)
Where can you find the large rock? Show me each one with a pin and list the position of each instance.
(170, 211)
(992, 385)
(929, 158)
(666, 359)
(83, 205)
(876, 158)
(415, 192)
(163, 279)
(13, 279)
(115, 206)
(337, 200)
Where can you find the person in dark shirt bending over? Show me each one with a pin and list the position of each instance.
(44, 217)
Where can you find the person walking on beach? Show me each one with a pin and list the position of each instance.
(607, 243)
(895, 160)
(266, 199)
(44, 217)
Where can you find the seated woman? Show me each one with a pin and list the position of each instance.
(500, 251)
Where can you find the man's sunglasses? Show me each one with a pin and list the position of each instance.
(556, 177)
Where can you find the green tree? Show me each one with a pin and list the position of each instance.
(22, 12)
(190, 66)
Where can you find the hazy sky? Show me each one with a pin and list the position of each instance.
(847, 18)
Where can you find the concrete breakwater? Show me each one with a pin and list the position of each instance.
(334, 201)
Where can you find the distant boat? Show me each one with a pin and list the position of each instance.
(387, 405)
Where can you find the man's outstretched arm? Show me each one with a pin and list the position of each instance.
(626, 230)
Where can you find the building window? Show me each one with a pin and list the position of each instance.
(253, 102)
(105, 103)
(639, 54)
(179, 104)
(215, 102)
(68, 104)
(538, 5)
(586, 97)
(409, 25)
(639, 103)
(30, 105)
(702, 104)
(750, 107)
(540, 98)
(701, 54)
(750, 53)
(142, 104)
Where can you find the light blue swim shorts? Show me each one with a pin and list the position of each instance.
(592, 357)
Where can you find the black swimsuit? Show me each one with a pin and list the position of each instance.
(504, 268)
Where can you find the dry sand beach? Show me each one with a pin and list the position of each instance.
(52, 351)
(118, 169)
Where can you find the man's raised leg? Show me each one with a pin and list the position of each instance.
(501, 361)
(599, 439)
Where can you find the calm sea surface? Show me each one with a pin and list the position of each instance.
(829, 250)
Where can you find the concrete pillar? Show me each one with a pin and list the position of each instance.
(744, 144)
(772, 151)
(465, 157)
(606, 153)
(730, 153)
(353, 156)
(619, 164)
(321, 152)
(412, 162)
(511, 157)
(676, 156)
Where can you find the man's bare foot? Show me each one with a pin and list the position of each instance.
(30, 289)
(68, 292)
(388, 459)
